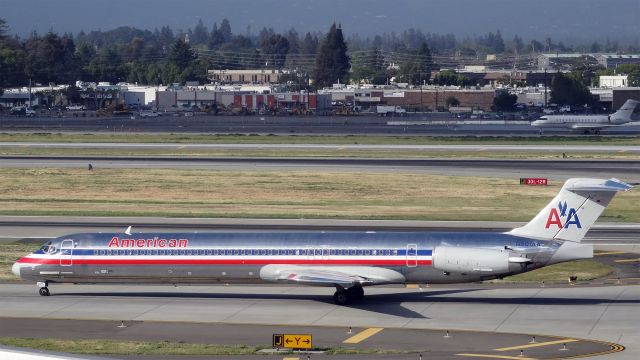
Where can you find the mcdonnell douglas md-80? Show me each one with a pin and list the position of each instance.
(589, 123)
(347, 261)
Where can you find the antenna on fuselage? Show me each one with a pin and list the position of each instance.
(128, 231)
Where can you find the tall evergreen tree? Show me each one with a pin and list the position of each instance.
(332, 61)
(200, 33)
(182, 56)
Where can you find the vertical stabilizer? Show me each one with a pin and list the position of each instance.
(623, 115)
(571, 213)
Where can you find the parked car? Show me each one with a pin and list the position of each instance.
(149, 113)
(22, 110)
(75, 107)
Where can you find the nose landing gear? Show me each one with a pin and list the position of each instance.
(44, 290)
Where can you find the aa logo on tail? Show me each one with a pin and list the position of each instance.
(556, 217)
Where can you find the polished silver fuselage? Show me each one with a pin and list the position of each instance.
(241, 256)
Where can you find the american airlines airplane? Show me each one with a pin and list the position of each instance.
(589, 124)
(347, 261)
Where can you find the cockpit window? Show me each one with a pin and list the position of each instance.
(46, 247)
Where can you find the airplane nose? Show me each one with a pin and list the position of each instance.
(16, 269)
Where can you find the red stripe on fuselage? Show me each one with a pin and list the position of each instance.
(76, 261)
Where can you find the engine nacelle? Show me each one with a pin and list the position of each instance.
(470, 260)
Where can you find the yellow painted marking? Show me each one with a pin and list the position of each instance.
(496, 356)
(609, 253)
(412, 286)
(528, 346)
(362, 335)
(626, 260)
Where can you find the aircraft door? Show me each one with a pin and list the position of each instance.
(412, 255)
(66, 253)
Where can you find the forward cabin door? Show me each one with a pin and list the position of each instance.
(66, 253)
(412, 255)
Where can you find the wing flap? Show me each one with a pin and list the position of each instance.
(344, 276)
(319, 278)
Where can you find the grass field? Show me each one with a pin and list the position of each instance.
(273, 194)
(313, 139)
(161, 348)
(583, 269)
(312, 153)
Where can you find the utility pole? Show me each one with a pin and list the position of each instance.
(545, 87)
(29, 106)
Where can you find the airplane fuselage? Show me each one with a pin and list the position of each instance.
(572, 121)
(389, 257)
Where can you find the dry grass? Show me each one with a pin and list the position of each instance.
(9, 254)
(292, 194)
(340, 153)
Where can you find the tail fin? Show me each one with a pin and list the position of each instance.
(571, 213)
(625, 112)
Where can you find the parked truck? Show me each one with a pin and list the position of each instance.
(386, 110)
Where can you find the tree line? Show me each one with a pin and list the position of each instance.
(165, 56)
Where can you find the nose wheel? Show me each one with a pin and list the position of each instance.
(44, 290)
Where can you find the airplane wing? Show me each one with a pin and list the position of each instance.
(595, 126)
(345, 276)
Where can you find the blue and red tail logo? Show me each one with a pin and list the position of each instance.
(561, 218)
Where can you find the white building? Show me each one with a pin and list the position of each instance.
(611, 81)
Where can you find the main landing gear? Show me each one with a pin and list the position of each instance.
(344, 296)
(44, 290)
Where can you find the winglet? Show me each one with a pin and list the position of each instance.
(128, 231)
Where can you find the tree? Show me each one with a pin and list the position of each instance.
(275, 48)
(200, 33)
(332, 61)
(417, 70)
(369, 67)
(182, 56)
(569, 90)
(51, 59)
(216, 38)
(504, 101)
(452, 101)
(4, 29)
(309, 44)
(225, 30)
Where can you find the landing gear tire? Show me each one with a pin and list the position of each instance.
(355, 292)
(44, 291)
(341, 297)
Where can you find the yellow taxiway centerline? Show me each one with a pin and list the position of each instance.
(626, 260)
(362, 335)
(609, 253)
(497, 356)
(528, 346)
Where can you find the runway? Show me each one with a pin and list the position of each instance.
(628, 170)
(414, 124)
(604, 313)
